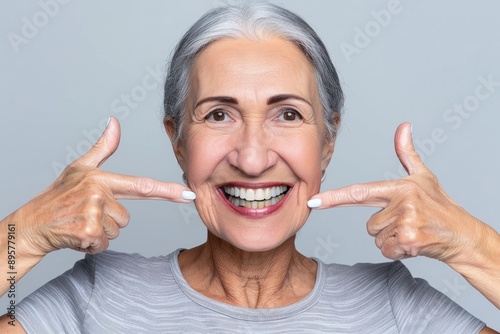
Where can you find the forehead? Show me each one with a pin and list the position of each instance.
(255, 68)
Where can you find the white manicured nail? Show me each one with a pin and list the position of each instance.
(314, 203)
(411, 128)
(188, 195)
(109, 119)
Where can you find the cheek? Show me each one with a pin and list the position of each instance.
(204, 154)
(303, 155)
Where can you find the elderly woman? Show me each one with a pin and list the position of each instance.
(252, 107)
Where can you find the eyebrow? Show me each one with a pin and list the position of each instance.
(283, 97)
(272, 100)
(223, 99)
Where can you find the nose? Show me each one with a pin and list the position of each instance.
(253, 153)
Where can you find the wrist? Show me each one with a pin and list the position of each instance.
(17, 227)
(479, 251)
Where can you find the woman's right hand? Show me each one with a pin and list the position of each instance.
(80, 209)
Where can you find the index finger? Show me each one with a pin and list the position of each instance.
(374, 194)
(137, 187)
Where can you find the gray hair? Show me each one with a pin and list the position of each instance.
(253, 20)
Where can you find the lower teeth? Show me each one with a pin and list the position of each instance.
(255, 204)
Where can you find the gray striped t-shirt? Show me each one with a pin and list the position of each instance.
(128, 293)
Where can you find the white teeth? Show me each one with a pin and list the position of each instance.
(255, 194)
(250, 195)
(259, 195)
(267, 193)
(254, 204)
(255, 198)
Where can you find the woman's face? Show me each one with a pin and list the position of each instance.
(253, 144)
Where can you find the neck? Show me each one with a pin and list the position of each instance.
(273, 278)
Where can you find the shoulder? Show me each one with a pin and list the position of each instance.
(365, 285)
(415, 306)
(119, 259)
(390, 289)
(127, 266)
(392, 280)
(359, 291)
(390, 272)
(374, 272)
(107, 286)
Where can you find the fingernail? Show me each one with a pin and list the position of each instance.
(109, 119)
(411, 128)
(314, 203)
(188, 195)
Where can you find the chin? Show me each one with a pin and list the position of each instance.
(259, 242)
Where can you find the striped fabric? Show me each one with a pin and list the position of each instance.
(127, 293)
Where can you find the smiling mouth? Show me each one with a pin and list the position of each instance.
(255, 198)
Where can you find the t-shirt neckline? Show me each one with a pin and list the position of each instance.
(243, 313)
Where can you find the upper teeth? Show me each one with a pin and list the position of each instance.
(259, 194)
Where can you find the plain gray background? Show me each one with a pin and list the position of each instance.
(84, 61)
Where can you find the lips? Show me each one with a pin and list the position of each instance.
(262, 200)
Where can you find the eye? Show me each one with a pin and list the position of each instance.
(290, 115)
(217, 115)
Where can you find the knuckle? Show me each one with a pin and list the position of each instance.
(80, 178)
(96, 199)
(409, 210)
(406, 236)
(91, 177)
(372, 231)
(409, 185)
(431, 177)
(145, 186)
(94, 214)
(125, 218)
(392, 251)
(373, 228)
(113, 233)
(93, 231)
(377, 223)
(387, 251)
(97, 245)
(357, 193)
(126, 215)
(72, 168)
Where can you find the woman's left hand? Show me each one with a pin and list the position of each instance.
(419, 218)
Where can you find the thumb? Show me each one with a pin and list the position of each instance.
(104, 147)
(403, 144)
